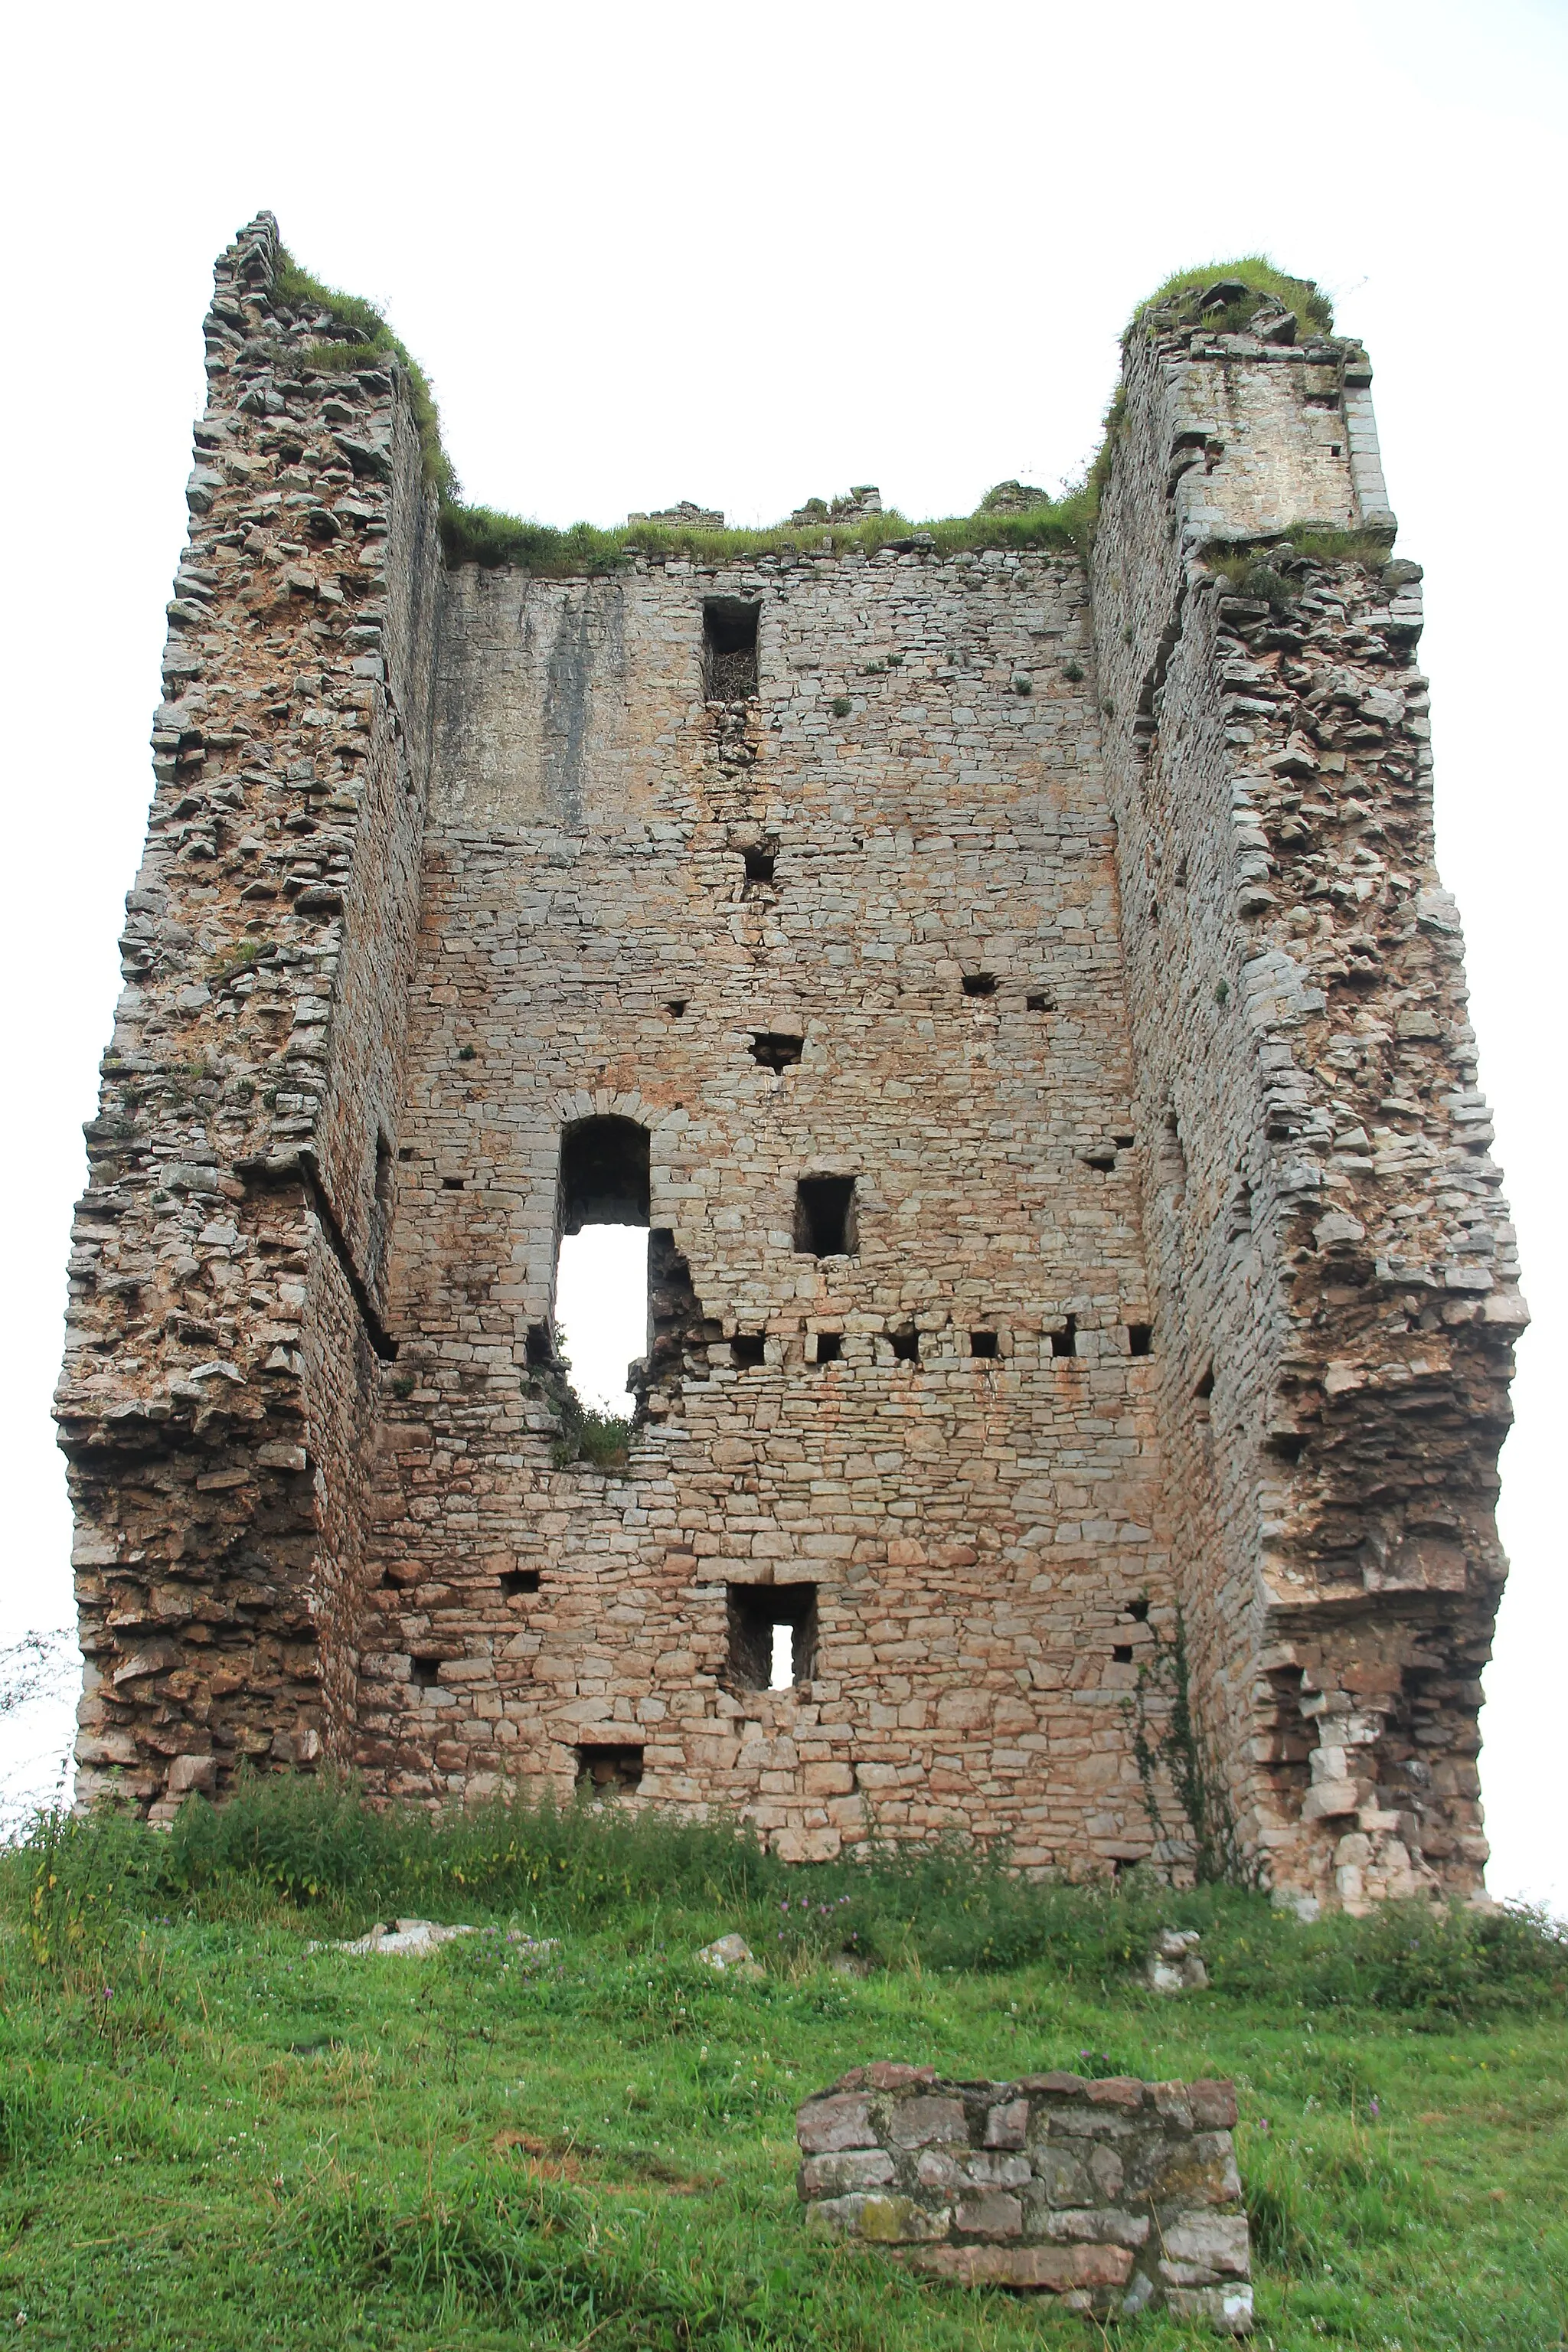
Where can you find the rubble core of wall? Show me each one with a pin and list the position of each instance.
(1114, 2196)
(222, 1322)
(1335, 1276)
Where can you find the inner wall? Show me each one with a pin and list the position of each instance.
(859, 923)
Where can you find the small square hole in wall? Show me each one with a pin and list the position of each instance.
(773, 1635)
(404, 1152)
(451, 1183)
(1040, 999)
(748, 1350)
(1065, 1341)
(675, 1006)
(759, 864)
(906, 1346)
(825, 1223)
(425, 1672)
(980, 983)
(729, 648)
(983, 1343)
(774, 1051)
(540, 1347)
(606, 1770)
(518, 1580)
(829, 1347)
(1139, 1611)
(1139, 1338)
(1123, 1653)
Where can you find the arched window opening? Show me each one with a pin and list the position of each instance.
(602, 1262)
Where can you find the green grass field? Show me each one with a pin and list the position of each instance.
(213, 2136)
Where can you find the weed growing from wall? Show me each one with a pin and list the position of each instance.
(1173, 1745)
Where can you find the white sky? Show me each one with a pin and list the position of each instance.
(746, 256)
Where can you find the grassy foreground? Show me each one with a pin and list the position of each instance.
(212, 2136)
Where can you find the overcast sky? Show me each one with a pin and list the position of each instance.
(746, 257)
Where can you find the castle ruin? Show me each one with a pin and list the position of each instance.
(1014, 991)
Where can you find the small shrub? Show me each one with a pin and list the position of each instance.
(841, 706)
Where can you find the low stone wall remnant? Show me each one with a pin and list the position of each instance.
(1116, 2196)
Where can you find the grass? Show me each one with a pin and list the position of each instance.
(1260, 276)
(487, 537)
(212, 2136)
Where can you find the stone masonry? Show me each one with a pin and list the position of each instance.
(1114, 2196)
(1016, 994)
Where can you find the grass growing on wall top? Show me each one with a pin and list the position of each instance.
(211, 2135)
(1302, 295)
(372, 339)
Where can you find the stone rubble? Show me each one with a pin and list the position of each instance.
(1127, 1013)
(1174, 1963)
(1115, 2196)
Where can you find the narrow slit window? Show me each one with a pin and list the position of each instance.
(1139, 1338)
(729, 648)
(773, 1635)
(1065, 1341)
(825, 1223)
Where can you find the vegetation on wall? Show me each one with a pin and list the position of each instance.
(484, 536)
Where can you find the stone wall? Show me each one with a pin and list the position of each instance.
(1085, 928)
(1335, 1279)
(920, 764)
(1115, 2196)
(223, 1332)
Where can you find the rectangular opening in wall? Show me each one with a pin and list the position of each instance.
(1139, 1338)
(759, 865)
(980, 983)
(1121, 1653)
(540, 1347)
(906, 1346)
(829, 1347)
(609, 1770)
(983, 1343)
(729, 648)
(748, 1350)
(425, 1672)
(1039, 999)
(825, 1216)
(773, 1635)
(774, 1051)
(517, 1581)
(1065, 1341)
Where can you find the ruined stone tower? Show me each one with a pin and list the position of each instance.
(1017, 994)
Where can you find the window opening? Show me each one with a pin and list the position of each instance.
(983, 1343)
(729, 648)
(906, 1346)
(517, 1581)
(1204, 1389)
(539, 1348)
(1139, 1611)
(451, 1183)
(675, 1006)
(749, 1348)
(1065, 1341)
(980, 983)
(425, 1672)
(383, 1172)
(772, 1634)
(774, 1051)
(1039, 1001)
(605, 1771)
(830, 1347)
(603, 1268)
(825, 1223)
(1139, 1338)
(759, 864)
(1121, 1651)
